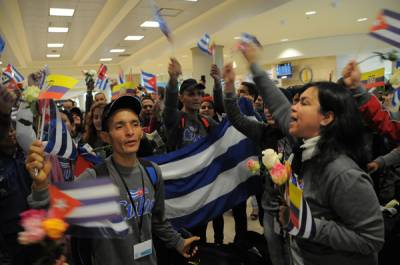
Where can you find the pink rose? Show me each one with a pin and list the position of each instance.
(32, 235)
(32, 218)
(279, 174)
(31, 221)
(253, 166)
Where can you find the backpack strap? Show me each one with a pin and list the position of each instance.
(205, 122)
(150, 170)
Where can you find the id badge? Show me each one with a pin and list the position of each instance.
(142, 249)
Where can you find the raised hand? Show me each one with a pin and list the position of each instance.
(38, 167)
(351, 75)
(250, 51)
(174, 69)
(215, 72)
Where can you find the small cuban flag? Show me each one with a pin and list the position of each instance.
(149, 82)
(90, 207)
(387, 28)
(204, 45)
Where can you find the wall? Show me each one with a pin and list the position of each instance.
(320, 66)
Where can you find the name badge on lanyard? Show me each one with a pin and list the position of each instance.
(143, 249)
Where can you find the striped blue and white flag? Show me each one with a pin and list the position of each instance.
(59, 141)
(396, 100)
(43, 74)
(102, 83)
(91, 207)
(12, 73)
(204, 44)
(209, 177)
(387, 28)
(149, 82)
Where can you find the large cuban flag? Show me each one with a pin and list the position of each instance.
(209, 177)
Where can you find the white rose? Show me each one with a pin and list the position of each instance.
(270, 158)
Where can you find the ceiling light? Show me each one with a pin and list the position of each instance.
(117, 50)
(134, 37)
(105, 59)
(191, 0)
(309, 13)
(53, 55)
(237, 38)
(288, 53)
(55, 45)
(62, 12)
(58, 29)
(150, 24)
(283, 40)
(234, 65)
(1, 62)
(362, 19)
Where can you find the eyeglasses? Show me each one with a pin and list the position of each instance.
(147, 107)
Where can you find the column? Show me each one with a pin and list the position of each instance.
(201, 64)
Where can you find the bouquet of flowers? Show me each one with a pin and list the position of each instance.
(46, 231)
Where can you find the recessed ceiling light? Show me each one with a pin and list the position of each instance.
(362, 19)
(309, 13)
(234, 65)
(283, 40)
(150, 24)
(117, 50)
(53, 55)
(237, 38)
(62, 12)
(191, 0)
(1, 62)
(58, 29)
(105, 59)
(55, 45)
(138, 37)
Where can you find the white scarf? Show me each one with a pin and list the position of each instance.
(309, 148)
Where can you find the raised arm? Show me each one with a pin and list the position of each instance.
(217, 90)
(170, 114)
(273, 98)
(253, 129)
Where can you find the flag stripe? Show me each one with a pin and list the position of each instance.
(225, 162)
(98, 209)
(218, 206)
(81, 220)
(222, 136)
(93, 192)
(58, 89)
(391, 14)
(224, 183)
(381, 36)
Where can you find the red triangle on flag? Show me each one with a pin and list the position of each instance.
(61, 205)
(381, 24)
(153, 83)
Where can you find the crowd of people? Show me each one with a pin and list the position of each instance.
(340, 139)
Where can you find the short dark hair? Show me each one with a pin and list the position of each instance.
(69, 115)
(146, 97)
(252, 89)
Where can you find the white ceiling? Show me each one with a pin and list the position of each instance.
(100, 25)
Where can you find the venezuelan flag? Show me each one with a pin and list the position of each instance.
(58, 85)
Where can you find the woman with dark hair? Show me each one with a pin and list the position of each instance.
(92, 131)
(207, 108)
(345, 221)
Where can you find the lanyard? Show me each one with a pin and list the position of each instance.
(131, 199)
